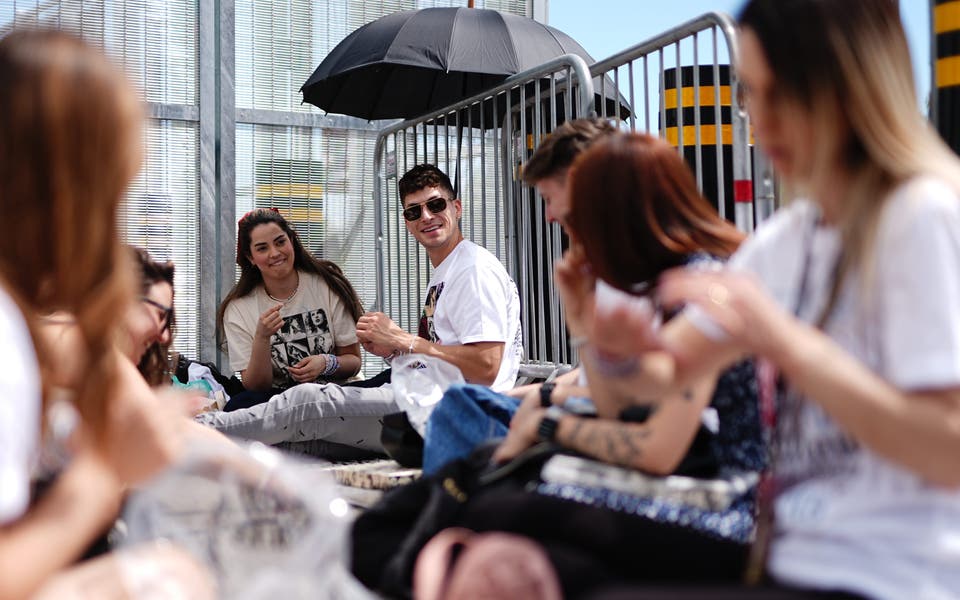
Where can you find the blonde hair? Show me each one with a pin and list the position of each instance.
(847, 61)
(70, 143)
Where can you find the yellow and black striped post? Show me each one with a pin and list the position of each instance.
(681, 127)
(946, 101)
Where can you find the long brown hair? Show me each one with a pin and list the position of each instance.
(636, 210)
(303, 260)
(70, 143)
(155, 363)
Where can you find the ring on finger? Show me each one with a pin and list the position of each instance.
(718, 294)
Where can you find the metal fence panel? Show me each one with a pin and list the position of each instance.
(482, 143)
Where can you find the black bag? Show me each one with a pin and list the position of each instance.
(387, 538)
(401, 441)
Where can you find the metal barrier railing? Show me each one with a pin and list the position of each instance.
(481, 143)
(687, 94)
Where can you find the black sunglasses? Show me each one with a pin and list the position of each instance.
(165, 311)
(415, 211)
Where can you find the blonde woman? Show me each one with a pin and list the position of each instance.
(852, 292)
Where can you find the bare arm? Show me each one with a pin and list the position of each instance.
(656, 446)
(479, 362)
(79, 506)
(571, 377)
(258, 375)
(918, 430)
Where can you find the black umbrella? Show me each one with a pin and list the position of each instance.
(410, 63)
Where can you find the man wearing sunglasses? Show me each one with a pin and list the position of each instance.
(471, 318)
(471, 314)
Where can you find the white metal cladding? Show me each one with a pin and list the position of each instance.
(705, 116)
(481, 143)
(221, 81)
(157, 45)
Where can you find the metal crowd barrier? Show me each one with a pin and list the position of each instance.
(681, 88)
(482, 143)
(673, 85)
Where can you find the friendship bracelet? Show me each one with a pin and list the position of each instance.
(333, 363)
(613, 366)
(413, 341)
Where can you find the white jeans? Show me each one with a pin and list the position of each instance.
(312, 411)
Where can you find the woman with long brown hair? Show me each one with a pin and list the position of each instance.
(291, 318)
(70, 143)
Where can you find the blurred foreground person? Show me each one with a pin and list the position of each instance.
(70, 143)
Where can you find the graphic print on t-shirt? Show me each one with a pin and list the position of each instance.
(809, 444)
(426, 329)
(301, 335)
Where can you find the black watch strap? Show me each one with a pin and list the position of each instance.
(547, 430)
(546, 391)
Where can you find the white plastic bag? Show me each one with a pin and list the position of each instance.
(267, 525)
(419, 382)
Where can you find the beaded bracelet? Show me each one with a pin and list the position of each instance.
(333, 363)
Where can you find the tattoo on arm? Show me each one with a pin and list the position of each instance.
(609, 441)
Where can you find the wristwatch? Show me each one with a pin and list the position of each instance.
(547, 430)
(546, 391)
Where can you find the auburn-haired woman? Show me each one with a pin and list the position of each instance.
(291, 318)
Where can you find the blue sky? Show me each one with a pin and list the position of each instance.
(604, 27)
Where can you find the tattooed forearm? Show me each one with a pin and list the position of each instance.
(609, 441)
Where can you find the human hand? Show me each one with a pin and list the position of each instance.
(185, 401)
(737, 303)
(270, 322)
(523, 428)
(308, 369)
(622, 327)
(381, 333)
(575, 284)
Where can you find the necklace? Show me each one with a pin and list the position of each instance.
(288, 298)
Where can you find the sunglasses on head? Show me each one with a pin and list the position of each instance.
(415, 211)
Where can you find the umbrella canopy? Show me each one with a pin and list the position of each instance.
(409, 63)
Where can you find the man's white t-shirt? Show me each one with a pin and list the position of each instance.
(847, 518)
(20, 410)
(315, 321)
(471, 298)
